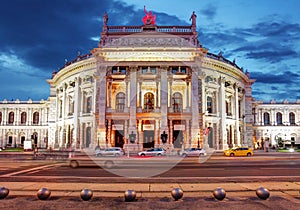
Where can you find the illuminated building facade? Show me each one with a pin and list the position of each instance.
(142, 82)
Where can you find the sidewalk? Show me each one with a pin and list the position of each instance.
(153, 189)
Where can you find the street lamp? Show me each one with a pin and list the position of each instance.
(198, 140)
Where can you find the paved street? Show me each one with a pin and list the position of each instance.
(24, 177)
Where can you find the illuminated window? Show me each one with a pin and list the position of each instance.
(177, 102)
(148, 102)
(120, 102)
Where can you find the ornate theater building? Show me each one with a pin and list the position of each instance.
(141, 87)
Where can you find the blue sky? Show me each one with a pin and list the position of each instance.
(36, 36)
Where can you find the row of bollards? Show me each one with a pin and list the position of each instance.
(130, 195)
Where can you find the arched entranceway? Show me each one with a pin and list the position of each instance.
(88, 137)
(210, 137)
(148, 128)
(178, 137)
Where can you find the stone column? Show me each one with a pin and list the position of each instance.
(164, 99)
(195, 106)
(223, 133)
(76, 110)
(133, 100)
(101, 91)
(237, 120)
(140, 95)
(187, 128)
(108, 135)
(126, 98)
(171, 133)
(156, 96)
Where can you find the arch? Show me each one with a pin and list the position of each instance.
(120, 102)
(177, 102)
(23, 117)
(36, 117)
(266, 118)
(148, 102)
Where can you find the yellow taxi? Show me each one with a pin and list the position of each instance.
(239, 151)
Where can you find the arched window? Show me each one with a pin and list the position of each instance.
(120, 102)
(292, 118)
(0, 117)
(209, 104)
(177, 102)
(89, 104)
(266, 118)
(279, 118)
(11, 117)
(148, 102)
(35, 120)
(23, 118)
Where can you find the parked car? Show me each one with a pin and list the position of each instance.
(239, 151)
(153, 152)
(194, 152)
(112, 151)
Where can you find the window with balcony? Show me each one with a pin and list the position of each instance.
(177, 102)
(23, 118)
(292, 118)
(266, 118)
(11, 118)
(148, 102)
(120, 102)
(35, 120)
(279, 118)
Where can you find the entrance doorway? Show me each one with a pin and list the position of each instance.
(210, 137)
(177, 138)
(148, 139)
(119, 138)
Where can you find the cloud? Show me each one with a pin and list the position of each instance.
(275, 78)
(209, 11)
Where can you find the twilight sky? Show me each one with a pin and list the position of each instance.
(36, 36)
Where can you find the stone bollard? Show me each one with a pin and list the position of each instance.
(3, 192)
(219, 193)
(262, 193)
(86, 194)
(177, 193)
(43, 194)
(130, 195)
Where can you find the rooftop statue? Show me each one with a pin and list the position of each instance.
(149, 18)
(193, 18)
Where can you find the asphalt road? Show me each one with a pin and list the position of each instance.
(282, 167)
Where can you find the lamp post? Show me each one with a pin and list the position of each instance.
(198, 145)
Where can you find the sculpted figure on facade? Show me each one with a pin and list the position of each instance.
(149, 18)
